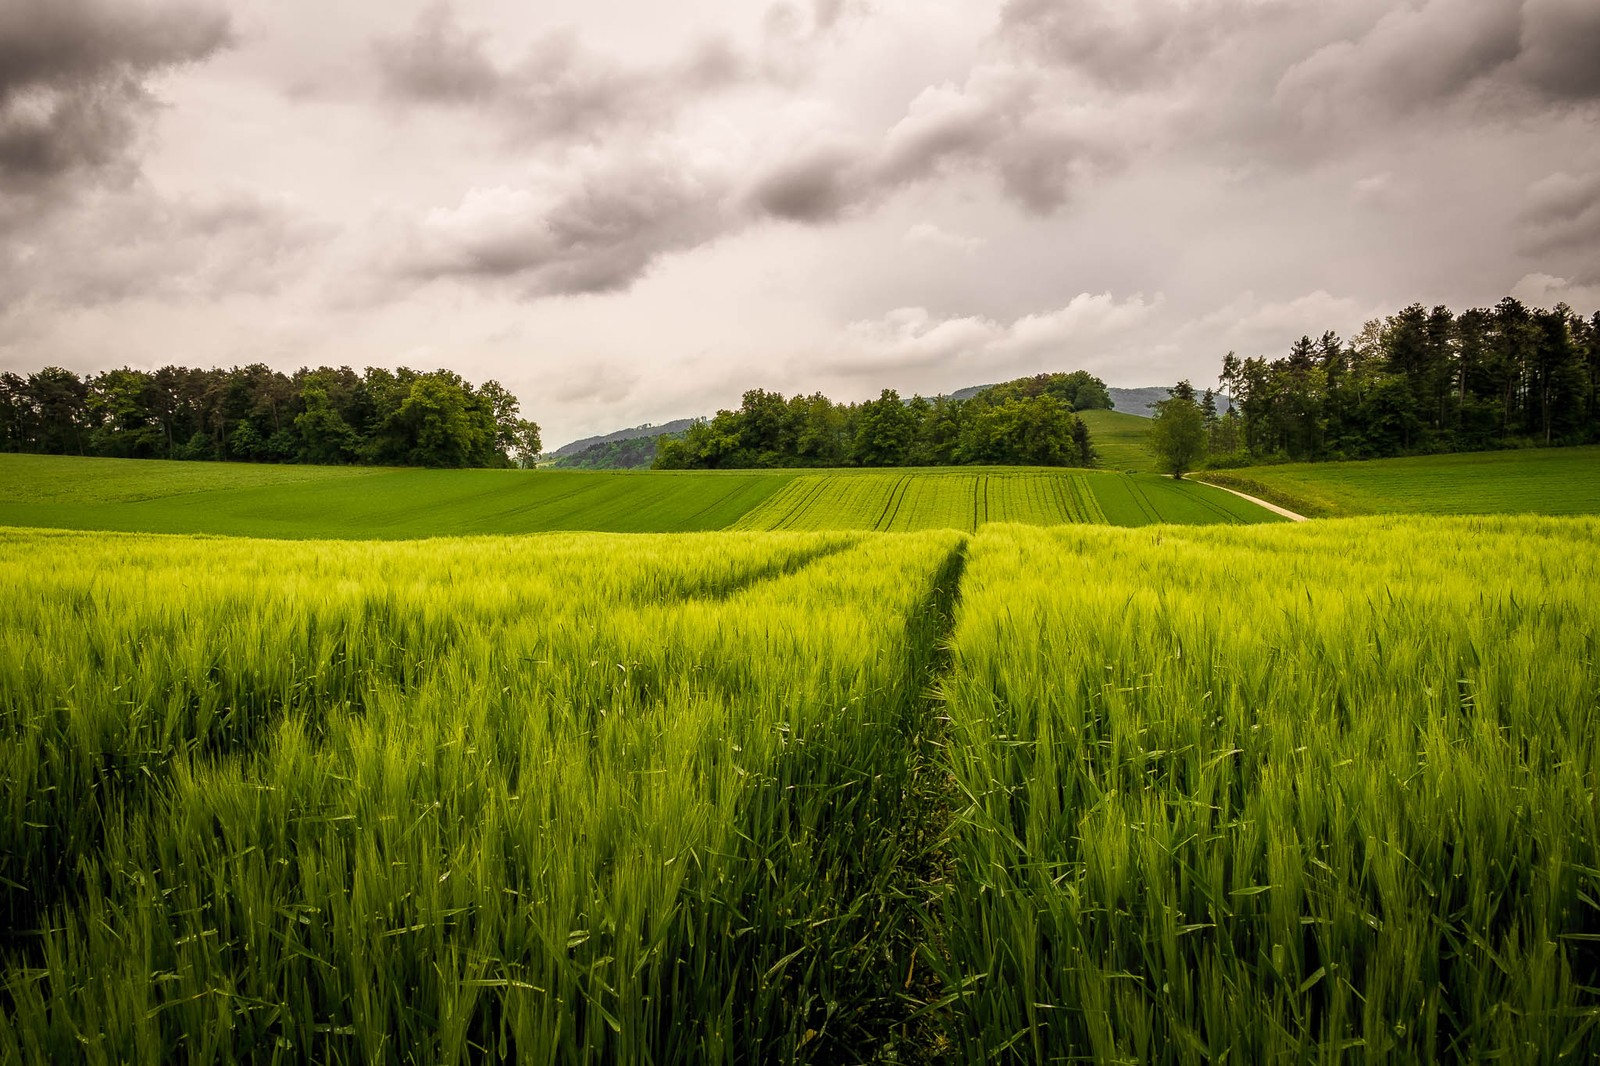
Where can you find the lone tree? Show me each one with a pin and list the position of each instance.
(1179, 433)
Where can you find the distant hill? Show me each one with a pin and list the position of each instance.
(646, 430)
(629, 453)
(1142, 402)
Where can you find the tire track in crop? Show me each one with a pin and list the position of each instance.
(891, 506)
(738, 583)
(1142, 501)
(1223, 513)
(918, 1032)
(901, 1017)
(857, 883)
(807, 495)
(1093, 513)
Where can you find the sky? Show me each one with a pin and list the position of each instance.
(630, 211)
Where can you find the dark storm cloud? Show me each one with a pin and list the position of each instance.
(557, 90)
(72, 95)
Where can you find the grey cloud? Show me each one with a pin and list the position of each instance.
(1410, 57)
(1515, 56)
(438, 62)
(598, 236)
(1562, 220)
(1000, 121)
(826, 13)
(1126, 44)
(134, 243)
(556, 91)
(1560, 48)
(72, 95)
(815, 186)
(614, 221)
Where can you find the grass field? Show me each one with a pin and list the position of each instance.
(1120, 439)
(897, 502)
(1536, 481)
(365, 502)
(1183, 795)
(361, 503)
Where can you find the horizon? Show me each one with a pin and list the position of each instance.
(628, 214)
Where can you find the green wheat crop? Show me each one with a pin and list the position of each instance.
(1313, 794)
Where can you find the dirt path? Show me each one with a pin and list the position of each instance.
(1258, 501)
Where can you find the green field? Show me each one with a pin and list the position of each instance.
(1289, 793)
(1551, 481)
(362, 502)
(899, 502)
(365, 502)
(1120, 439)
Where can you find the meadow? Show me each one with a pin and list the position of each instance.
(1552, 481)
(1319, 792)
(242, 499)
(239, 499)
(1120, 439)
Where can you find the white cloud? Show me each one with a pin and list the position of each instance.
(1078, 335)
(931, 235)
(1545, 290)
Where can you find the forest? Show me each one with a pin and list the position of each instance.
(1417, 382)
(255, 414)
(1028, 422)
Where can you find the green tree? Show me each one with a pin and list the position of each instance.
(325, 437)
(1178, 435)
(443, 425)
(525, 442)
(885, 431)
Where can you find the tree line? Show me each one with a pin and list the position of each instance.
(255, 414)
(1029, 421)
(1415, 382)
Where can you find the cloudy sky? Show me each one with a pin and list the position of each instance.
(630, 211)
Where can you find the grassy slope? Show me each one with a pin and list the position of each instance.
(1544, 481)
(1120, 439)
(347, 502)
